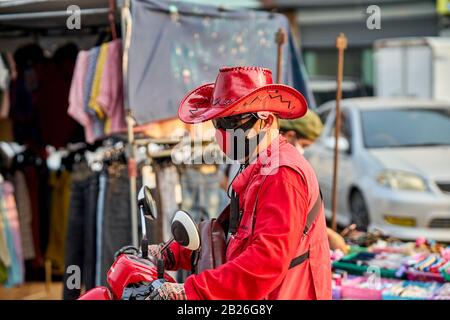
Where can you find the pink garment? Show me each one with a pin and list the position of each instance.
(110, 97)
(76, 96)
(9, 204)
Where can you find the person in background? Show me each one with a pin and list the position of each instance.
(301, 133)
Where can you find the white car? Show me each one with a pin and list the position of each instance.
(394, 165)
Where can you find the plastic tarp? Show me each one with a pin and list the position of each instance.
(177, 46)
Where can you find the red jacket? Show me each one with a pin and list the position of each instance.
(258, 258)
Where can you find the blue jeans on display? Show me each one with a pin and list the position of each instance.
(102, 180)
(81, 232)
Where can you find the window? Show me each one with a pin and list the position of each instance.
(324, 116)
(345, 131)
(406, 127)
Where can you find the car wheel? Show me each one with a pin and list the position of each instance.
(359, 212)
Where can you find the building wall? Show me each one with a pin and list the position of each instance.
(320, 22)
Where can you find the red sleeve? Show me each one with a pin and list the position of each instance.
(182, 257)
(262, 266)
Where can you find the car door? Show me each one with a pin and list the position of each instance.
(325, 162)
(319, 156)
(346, 170)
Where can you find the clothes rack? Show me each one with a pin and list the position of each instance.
(49, 14)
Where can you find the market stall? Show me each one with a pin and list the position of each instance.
(66, 155)
(381, 268)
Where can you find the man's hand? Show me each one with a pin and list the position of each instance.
(155, 250)
(336, 241)
(167, 255)
(170, 291)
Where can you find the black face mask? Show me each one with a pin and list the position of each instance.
(240, 147)
(250, 145)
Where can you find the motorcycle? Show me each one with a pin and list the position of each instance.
(136, 275)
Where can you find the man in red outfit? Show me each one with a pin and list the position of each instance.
(279, 248)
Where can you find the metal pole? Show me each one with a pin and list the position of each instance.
(280, 39)
(132, 166)
(341, 45)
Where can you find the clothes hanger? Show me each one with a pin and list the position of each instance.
(112, 18)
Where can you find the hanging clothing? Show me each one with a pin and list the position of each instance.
(8, 210)
(96, 94)
(44, 197)
(77, 96)
(4, 104)
(6, 130)
(93, 104)
(90, 73)
(97, 124)
(56, 127)
(116, 216)
(38, 97)
(5, 257)
(11, 65)
(3, 273)
(25, 214)
(21, 111)
(102, 184)
(110, 96)
(4, 75)
(33, 189)
(59, 211)
(80, 240)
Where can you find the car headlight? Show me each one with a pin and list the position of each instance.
(399, 180)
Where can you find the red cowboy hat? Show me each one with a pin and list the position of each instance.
(240, 90)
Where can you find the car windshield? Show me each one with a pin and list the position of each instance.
(411, 127)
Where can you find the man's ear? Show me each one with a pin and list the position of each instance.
(267, 117)
(263, 115)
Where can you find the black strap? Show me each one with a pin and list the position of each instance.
(299, 260)
(234, 213)
(312, 215)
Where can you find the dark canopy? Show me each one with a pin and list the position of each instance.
(176, 46)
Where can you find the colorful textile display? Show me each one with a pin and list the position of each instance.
(96, 93)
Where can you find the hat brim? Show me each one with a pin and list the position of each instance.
(198, 106)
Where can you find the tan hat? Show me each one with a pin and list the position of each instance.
(309, 126)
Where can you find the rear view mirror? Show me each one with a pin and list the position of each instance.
(147, 204)
(185, 230)
(343, 144)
